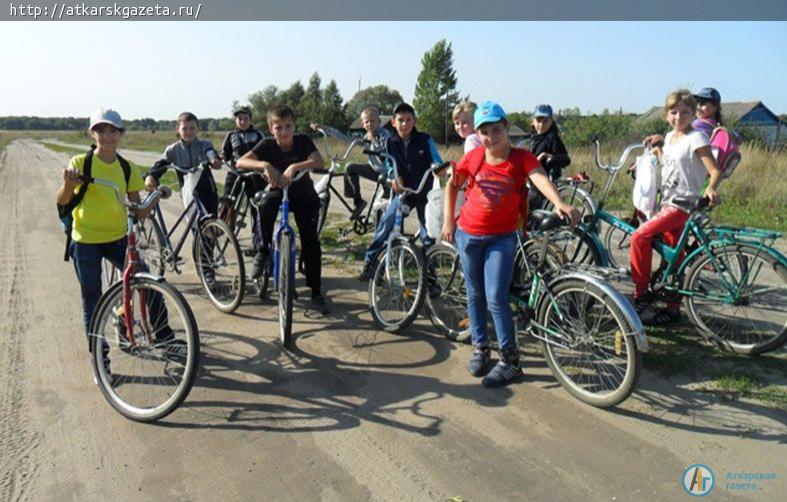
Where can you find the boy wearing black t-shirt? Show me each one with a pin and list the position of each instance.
(280, 158)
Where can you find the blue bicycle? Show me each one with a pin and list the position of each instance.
(283, 266)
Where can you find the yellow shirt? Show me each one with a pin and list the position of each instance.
(100, 217)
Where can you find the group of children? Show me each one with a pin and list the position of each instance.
(493, 173)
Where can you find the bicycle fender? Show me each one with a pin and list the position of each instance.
(152, 277)
(626, 308)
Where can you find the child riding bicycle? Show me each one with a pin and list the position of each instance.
(280, 158)
(686, 160)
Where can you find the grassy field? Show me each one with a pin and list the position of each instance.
(755, 195)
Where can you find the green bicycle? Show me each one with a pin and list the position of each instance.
(592, 338)
(732, 280)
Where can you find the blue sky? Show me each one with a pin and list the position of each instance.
(160, 69)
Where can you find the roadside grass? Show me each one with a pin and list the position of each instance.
(343, 252)
(680, 351)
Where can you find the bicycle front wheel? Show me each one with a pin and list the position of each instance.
(148, 379)
(150, 245)
(286, 286)
(220, 264)
(618, 246)
(577, 246)
(396, 291)
(323, 214)
(589, 346)
(737, 297)
(446, 299)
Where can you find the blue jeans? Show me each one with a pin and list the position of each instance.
(386, 224)
(87, 264)
(488, 264)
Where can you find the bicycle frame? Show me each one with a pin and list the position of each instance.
(282, 228)
(192, 214)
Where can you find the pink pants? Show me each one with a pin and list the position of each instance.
(669, 222)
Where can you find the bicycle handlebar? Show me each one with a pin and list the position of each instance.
(189, 170)
(623, 158)
(336, 158)
(162, 192)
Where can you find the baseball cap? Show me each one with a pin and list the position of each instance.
(708, 93)
(404, 108)
(106, 116)
(488, 112)
(241, 109)
(542, 111)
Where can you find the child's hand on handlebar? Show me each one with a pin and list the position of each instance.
(713, 196)
(397, 185)
(150, 183)
(565, 211)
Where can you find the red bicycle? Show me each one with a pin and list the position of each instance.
(144, 337)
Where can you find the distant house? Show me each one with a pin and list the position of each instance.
(752, 116)
(513, 131)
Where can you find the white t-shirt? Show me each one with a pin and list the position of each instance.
(682, 171)
(472, 142)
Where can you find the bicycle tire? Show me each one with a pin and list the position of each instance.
(109, 274)
(150, 245)
(448, 310)
(577, 246)
(323, 214)
(618, 246)
(591, 305)
(220, 264)
(130, 386)
(728, 323)
(573, 198)
(286, 285)
(406, 272)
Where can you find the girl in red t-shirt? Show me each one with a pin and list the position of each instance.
(486, 234)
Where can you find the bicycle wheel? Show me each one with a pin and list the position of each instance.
(446, 300)
(588, 348)
(220, 264)
(286, 285)
(323, 214)
(149, 380)
(618, 246)
(573, 198)
(150, 245)
(738, 299)
(397, 288)
(577, 246)
(109, 275)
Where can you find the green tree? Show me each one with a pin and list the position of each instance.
(261, 101)
(435, 90)
(309, 109)
(380, 96)
(333, 107)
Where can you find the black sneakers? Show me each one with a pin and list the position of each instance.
(359, 207)
(479, 361)
(366, 273)
(319, 303)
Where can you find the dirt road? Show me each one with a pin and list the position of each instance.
(353, 414)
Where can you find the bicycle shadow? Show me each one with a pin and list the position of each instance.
(296, 391)
(673, 406)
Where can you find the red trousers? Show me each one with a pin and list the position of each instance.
(669, 222)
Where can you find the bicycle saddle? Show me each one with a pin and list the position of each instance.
(546, 220)
(690, 203)
(261, 197)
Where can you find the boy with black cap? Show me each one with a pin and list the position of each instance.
(414, 152)
(236, 144)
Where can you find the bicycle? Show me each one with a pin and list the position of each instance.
(215, 248)
(448, 307)
(152, 343)
(397, 287)
(591, 337)
(283, 266)
(234, 207)
(368, 219)
(732, 280)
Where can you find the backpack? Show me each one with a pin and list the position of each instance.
(724, 144)
(475, 161)
(65, 212)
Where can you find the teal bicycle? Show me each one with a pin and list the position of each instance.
(732, 280)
